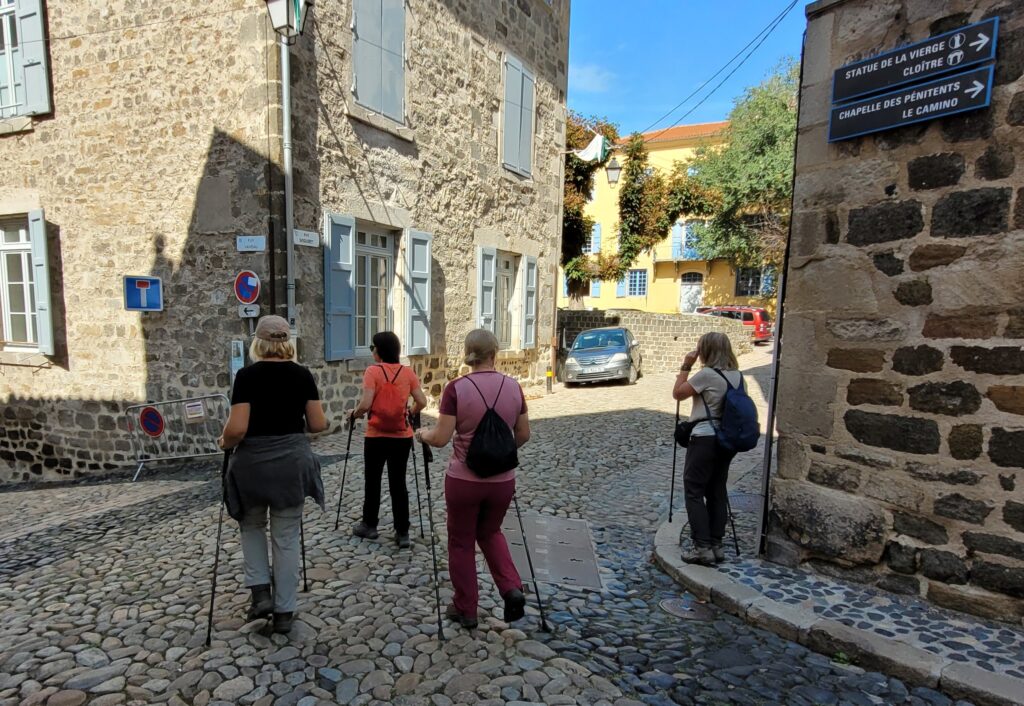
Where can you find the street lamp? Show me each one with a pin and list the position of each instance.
(614, 170)
(288, 17)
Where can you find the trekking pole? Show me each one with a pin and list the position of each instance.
(672, 490)
(732, 521)
(348, 452)
(414, 420)
(428, 456)
(302, 542)
(529, 562)
(216, 553)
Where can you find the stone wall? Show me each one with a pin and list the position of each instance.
(901, 399)
(165, 144)
(664, 338)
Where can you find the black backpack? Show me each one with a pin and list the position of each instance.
(493, 449)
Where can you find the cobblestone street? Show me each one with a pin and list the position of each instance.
(104, 589)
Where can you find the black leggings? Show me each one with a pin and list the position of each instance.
(395, 452)
(705, 474)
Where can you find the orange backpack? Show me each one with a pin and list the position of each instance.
(388, 408)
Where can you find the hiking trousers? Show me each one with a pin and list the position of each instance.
(475, 513)
(285, 537)
(705, 474)
(394, 452)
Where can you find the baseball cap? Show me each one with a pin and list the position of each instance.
(273, 328)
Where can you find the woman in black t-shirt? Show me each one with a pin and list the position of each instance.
(273, 402)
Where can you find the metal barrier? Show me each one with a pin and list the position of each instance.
(176, 429)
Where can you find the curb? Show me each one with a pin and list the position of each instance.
(802, 625)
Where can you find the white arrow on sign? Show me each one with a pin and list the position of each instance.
(976, 88)
(979, 43)
(248, 311)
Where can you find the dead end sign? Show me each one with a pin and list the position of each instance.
(247, 287)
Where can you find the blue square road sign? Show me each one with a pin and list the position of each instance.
(143, 293)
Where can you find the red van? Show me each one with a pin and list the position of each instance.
(758, 319)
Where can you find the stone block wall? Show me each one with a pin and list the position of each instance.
(664, 338)
(901, 398)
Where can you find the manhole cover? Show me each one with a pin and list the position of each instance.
(686, 608)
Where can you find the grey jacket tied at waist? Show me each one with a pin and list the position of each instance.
(273, 471)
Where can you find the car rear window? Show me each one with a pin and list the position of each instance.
(747, 316)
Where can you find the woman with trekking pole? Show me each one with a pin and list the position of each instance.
(486, 412)
(274, 401)
(706, 469)
(387, 387)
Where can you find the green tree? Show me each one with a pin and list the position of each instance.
(752, 174)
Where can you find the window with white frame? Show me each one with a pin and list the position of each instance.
(517, 126)
(24, 78)
(17, 298)
(503, 309)
(636, 283)
(378, 61)
(506, 296)
(748, 281)
(374, 274)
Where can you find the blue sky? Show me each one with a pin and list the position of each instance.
(632, 61)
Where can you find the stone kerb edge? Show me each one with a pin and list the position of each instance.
(802, 625)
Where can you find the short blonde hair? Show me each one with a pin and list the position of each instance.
(261, 349)
(715, 351)
(481, 346)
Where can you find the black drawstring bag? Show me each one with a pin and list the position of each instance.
(493, 449)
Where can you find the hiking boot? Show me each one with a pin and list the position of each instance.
(283, 622)
(515, 605)
(402, 539)
(364, 530)
(700, 555)
(262, 602)
(453, 614)
(719, 553)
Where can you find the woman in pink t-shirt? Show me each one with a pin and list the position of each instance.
(476, 505)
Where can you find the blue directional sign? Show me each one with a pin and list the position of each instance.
(143, 293)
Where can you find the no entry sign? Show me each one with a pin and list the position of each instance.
(247, 287)
(151, 421)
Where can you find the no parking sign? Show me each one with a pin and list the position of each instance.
(247, 287)
(151, 421)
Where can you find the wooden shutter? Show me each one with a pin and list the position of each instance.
(526, 125)
(339, 289)
(620, 288)
(677, 240)
(513, 113)
(33, 51)
(529, 324)
(393, 59)
(595, 238)
(595, 287)
(417, 292)
(41, 281)
(486, 275)
(366, 51)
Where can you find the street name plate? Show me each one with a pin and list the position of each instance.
(561, 549)
(307, 238)
(959, 93)
(954, 50)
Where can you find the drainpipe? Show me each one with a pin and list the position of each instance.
(289, 204)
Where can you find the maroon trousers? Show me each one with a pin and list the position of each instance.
(475, 514)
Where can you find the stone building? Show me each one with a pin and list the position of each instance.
(428, 138)
(901, 399)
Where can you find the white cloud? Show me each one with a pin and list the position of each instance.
(590, 78)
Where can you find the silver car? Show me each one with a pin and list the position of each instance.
(600, 354)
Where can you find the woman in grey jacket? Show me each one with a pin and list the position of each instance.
(274, 401)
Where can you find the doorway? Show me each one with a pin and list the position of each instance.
(691, 292)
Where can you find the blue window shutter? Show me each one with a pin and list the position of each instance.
(620, 288)
(513, 113)
(366, 51)
(526, 125)
(595, 238)
(677, 240)
(529, 328)
(486, 275)
(417, 292)
(32, 47)
(595, 287)
(41, 280)
(339, 289)
(565, 286)
(393, 59)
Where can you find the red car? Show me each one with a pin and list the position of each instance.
(758, 319)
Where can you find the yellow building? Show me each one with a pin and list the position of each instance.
(673, 279)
